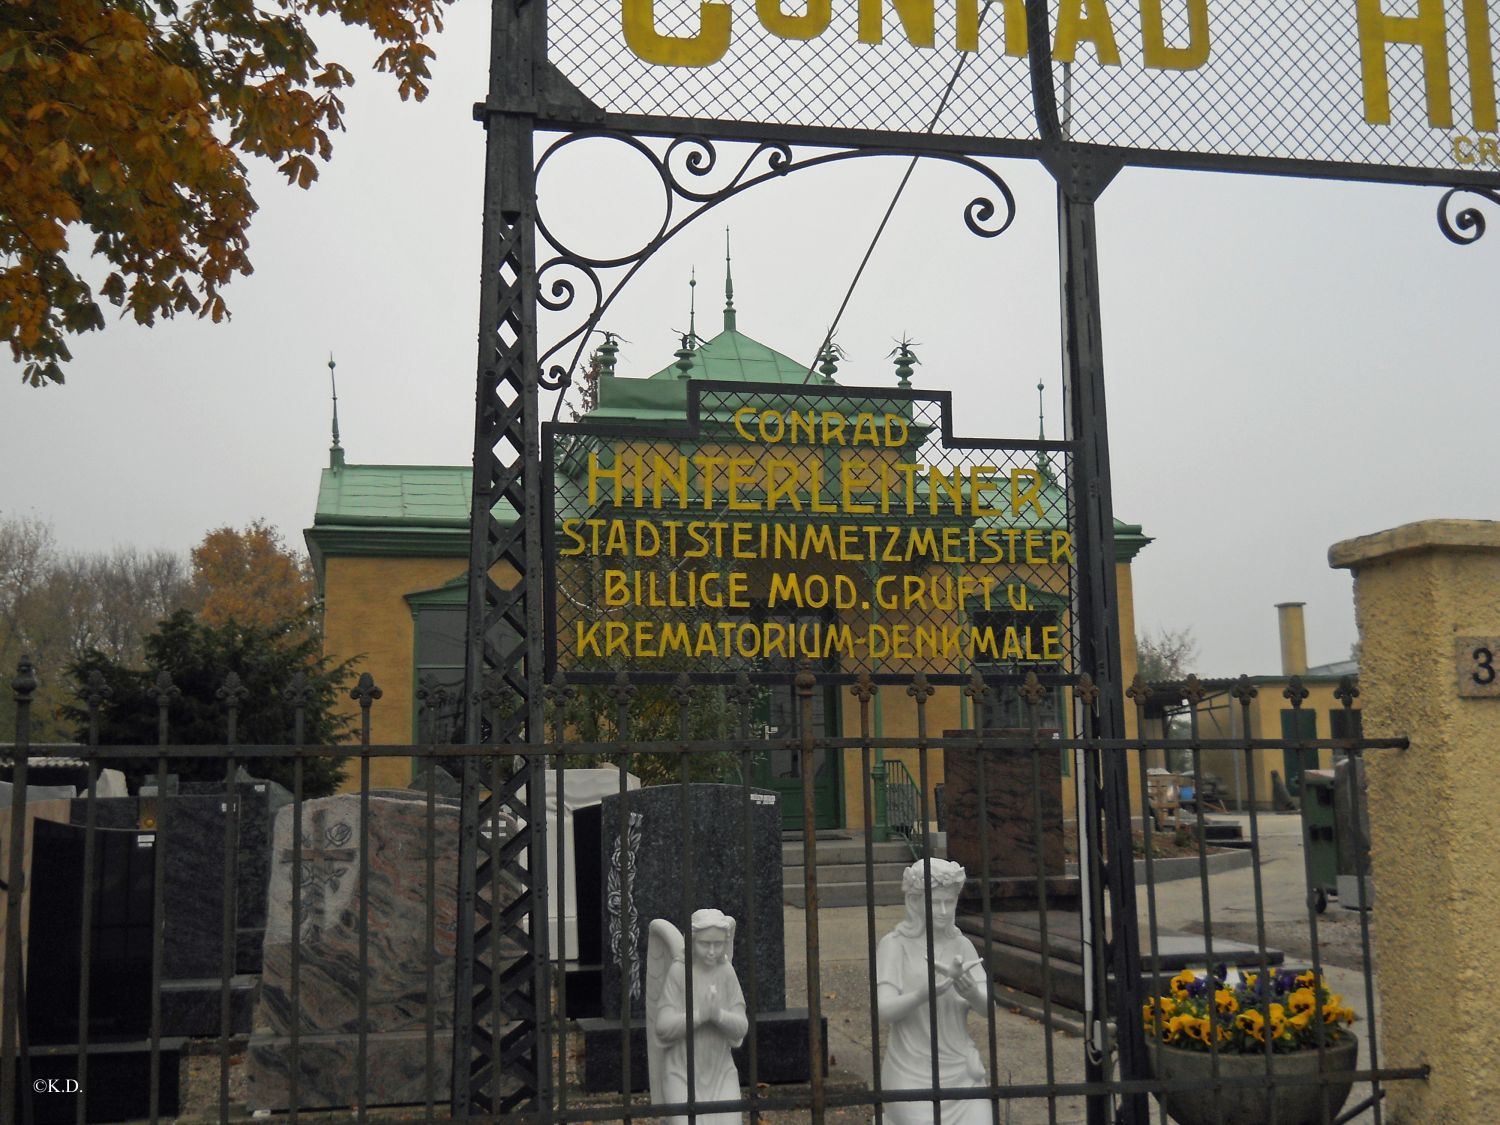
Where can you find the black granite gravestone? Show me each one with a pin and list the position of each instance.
(665, 823)
(121, 948)
(259, 801)
(109, 812)
(120, 970)
(583, 977)
(655, 853)
(189, 827)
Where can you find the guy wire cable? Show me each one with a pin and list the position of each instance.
(895, 199)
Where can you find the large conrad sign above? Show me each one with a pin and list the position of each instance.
(1364, 84)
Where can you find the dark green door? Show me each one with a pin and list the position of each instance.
(777, 717)
(1297, 724)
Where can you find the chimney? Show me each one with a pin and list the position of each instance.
(1293, 638)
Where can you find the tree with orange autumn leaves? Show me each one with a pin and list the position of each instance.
(129, 118)
(252, 578)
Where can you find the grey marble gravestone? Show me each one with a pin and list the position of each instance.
(400, 1008)
(653, 853)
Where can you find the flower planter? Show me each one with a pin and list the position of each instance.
(1295, 1105)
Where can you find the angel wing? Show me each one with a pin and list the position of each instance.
(664, 945)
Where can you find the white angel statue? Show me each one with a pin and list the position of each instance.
(719, 1021)
(902, 995)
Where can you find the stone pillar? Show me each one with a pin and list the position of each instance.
(1434, 809)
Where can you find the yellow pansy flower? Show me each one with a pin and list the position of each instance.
(1252, 1023)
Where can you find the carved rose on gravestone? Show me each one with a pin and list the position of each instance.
(324, 864)
(623, 916)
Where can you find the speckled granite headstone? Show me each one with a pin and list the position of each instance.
(395, 977)
(1008, 823)
(722, 874)
(259, 801)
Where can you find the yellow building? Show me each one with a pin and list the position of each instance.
(390, 547)
(1221, 715)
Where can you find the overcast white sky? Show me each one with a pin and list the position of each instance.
(1289, 363)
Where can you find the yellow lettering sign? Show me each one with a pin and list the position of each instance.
(809, 25)
(703, 49)
(1154, 49)
(1080, 21)
(918, 18)
(1428, 29)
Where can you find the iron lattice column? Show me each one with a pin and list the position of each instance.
(501, 1045)
(1082, 173)
(1098, 613)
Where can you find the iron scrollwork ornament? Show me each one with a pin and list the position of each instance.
(1467, 226)
(692, 184)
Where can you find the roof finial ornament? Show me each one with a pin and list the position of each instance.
(606, 353)
(685, 358)
(335, 451)
(830, 355)
(693, 307)
(905, 359)
(729, 314)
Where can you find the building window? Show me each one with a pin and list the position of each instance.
(440, 667)
(1005, 708)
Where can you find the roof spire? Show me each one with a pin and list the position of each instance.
(335, 451)
(685, 359)
(729, 314)
(1043, 462)
(693, 308)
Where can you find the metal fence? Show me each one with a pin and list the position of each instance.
(363, 1018)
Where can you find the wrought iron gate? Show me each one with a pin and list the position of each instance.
(1028, 757)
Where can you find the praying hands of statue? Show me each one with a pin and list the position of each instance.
(709, 1013)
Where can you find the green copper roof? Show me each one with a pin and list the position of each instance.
(735, 357)
(396, 496)
(731, 356)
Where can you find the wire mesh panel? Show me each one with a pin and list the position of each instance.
(1407, 85)
(781, 523)
(830, 80)
(1363, 83)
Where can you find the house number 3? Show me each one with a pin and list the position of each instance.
(1477, 673)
